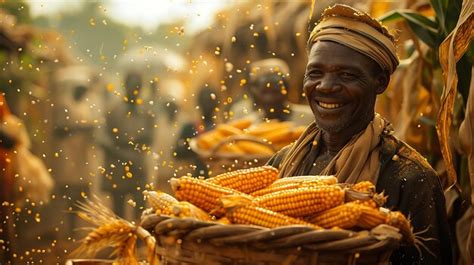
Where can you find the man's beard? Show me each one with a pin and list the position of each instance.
(334, 128)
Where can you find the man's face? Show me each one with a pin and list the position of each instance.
(268, 91)
(340, 86)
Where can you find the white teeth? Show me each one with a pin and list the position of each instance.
(329, 106)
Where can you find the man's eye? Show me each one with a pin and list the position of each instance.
(314, 73)
(348, 75)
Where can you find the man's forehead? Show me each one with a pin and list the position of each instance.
(323, 47)
(336, 55)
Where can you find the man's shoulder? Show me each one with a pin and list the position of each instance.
(404, 161)
(278, 157)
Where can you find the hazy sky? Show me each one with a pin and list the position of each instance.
(145, 13)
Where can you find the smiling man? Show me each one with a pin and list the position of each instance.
(351, 57)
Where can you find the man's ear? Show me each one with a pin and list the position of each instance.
(382, 82)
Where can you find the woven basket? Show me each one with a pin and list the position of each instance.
(220, 162)
(189, 241)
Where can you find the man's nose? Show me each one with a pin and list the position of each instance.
(328, 84)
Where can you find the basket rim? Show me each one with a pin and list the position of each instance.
(283, 237)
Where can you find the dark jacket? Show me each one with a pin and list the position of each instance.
(413, 188)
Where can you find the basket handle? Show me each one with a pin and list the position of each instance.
(240, 138)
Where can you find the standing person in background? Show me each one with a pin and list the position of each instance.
(268, 88)
(76, 116)
(207, 103)
(126, 141)
(24, 178)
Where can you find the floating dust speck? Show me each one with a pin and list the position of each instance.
(37, 218)
(132, 203)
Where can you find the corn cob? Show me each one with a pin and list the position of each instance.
(398, 220)
(267, 127)
(247, 180)
(254, 148)
(329, 180)
(371, 217)
(279, 135)
(231, 148)
(187, 209)
(228, 130)
(288, 186)
(369, 203)
(239, 211)
(272, 189)
(343, 216)
(241, 123)
(209, 139)
(371, 199)
(160, 201)
(224, 221)
(201, 193)
(364, 186)
(302, 202)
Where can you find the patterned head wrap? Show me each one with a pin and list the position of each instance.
(357, 30)
(269, 66)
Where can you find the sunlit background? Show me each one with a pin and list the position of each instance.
(52, 53)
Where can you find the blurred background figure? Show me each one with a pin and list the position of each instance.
(126, 141)
(206, 104)
(77, 113)
(23, 178)
(268, 87)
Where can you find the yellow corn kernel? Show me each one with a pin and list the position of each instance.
(302, 202)
(187, 209)
(224, 221)
(207, 140)
(272, 189)
(279, 135)
(371, 217)
(240, 211)
(228, 130)
(329, 180)
(254, 148)
(231, 148)
(264, 128)
(398, 220)
(247, 180)
(160, 201)
(201, 193)
(241, 123)
(343, 216)
(364, 186)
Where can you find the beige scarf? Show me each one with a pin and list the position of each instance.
(359, 160)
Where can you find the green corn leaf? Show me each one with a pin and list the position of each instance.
(440, 8)
(423, 27)
(452, 14)
(411, 16)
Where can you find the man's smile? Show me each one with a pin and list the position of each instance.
(329, 105)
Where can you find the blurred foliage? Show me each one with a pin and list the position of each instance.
(432, 31)
(19, 8)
